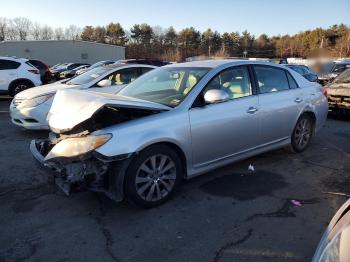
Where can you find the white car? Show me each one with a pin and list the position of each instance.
(17, 74)
(29, 108)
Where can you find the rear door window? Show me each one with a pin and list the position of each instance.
(271, 79)
(8, 64)
(144, 70)
(124, 76)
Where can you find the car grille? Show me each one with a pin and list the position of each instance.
(16, 101)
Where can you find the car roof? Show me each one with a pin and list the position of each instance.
(217, 63)
(111, 66)
(17, 59)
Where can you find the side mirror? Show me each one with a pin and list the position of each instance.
(214, 96)
(104, 83)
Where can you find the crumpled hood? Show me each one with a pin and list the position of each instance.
(43, 90)
(339, 89)
(71, 107)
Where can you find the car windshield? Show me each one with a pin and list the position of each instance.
(166, 85)
(88, 76)
(343, 78)
(339, 68)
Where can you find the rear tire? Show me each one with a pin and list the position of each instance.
(18, 87)
(152, 176)
(302, 133)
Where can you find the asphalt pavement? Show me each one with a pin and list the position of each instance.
(229, 214)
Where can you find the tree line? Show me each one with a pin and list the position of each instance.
(145, 41)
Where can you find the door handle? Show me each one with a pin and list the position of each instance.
(298, 100)
(252, 110)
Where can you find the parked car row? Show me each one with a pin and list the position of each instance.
(135, 131)
(30, 108)
(69, 70)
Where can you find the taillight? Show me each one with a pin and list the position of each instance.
(34, 71)
(324, 91)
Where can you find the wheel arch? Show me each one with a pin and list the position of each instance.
(20, 80)
(176, 148)
(118, 170)
(312, 115)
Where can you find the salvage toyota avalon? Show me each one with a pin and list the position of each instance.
(174, 123)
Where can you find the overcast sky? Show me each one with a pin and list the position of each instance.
(257, 16)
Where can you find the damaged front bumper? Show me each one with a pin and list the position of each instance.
(90, 171)
(339, 103)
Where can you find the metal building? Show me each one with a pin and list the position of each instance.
(53, 52)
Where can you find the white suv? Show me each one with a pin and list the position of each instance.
(17, 74)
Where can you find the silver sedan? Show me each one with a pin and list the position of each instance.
(177, 122)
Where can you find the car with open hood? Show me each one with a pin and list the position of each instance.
(176, 122)
(338, 93)
(29, 108)
(332, 70)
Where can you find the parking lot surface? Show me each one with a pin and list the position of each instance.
(229, 214)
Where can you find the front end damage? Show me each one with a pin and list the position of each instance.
(88, 171)
(77, 120)
(339, 99)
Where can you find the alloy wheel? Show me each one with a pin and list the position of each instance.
(20, 88)
(155, 177)
(303, 132)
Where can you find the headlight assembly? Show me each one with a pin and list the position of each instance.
(76, 146)
(33, 102)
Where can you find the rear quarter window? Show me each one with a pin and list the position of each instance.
(292, 83)
(8, 64)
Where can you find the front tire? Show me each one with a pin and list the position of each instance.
(302, 134)
(152, 176)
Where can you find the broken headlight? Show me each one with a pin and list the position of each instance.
(75, 146)
(33, 102)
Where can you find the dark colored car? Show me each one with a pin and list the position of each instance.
(100, 63)
(56, 72)
(153, 62)
(304, 71)
(333, 71)
(44, 69)
(338, 93)
(71, 73)
(335, 243)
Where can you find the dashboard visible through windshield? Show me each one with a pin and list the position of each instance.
(166, 85)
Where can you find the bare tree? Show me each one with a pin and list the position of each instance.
(59, 34)
(22, 26)
(72, 32)
(3, 28)
(36, 30)
(46, 33)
